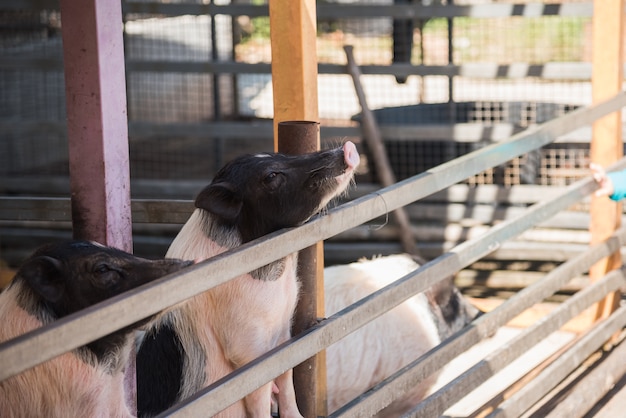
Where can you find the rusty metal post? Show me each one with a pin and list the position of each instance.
(97, 126)
(294, 138)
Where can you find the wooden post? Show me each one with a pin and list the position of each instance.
(293, 31)
(97, 129)
(606, 145)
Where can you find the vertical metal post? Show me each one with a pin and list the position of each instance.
(96, 121)
(93, 53)
(301, 137)
(606, 145)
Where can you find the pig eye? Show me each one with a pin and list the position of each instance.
(105, 275)
(101, 269)
(273, 180)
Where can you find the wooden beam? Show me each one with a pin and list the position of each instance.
(293, 28)
(606, 145)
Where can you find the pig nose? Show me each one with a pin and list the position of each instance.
(350, 155)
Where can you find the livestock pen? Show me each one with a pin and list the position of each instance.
(77, 330)
(69, 333)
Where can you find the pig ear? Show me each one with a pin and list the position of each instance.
(221, 200)
(445, 296)
(44, 275)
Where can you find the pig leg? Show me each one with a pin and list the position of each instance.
(287, 406)
(259, 403)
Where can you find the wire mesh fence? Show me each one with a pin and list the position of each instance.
(180, 72)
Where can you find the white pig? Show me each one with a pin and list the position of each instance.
(374, 352)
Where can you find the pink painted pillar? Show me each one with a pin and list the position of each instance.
(95, 89)
(96, 121)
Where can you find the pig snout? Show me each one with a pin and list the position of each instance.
(350, 155)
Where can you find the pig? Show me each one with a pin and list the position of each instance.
(57, 280)
(374, 352)
(222, 329)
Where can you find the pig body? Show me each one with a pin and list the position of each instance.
(60, 279)
(376, 351)
(232, 324)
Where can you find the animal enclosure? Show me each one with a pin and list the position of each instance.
(20, 354)
(499, 162)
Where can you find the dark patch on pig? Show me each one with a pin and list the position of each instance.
(151, 398)
(450, 310)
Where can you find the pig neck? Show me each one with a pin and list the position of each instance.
(203, 236)
(200, 238)
(109, 353)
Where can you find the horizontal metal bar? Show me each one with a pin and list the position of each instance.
(328, 11)
(35, 208)
(102, 319)
(29, 4)
(211, 67)
(419, 11)
(251, 130)
(438, 402)
(455, 132)
(59, 186)
(60, 210)
(180, 9)
(414, 11)
(552, 375)
(549, 71)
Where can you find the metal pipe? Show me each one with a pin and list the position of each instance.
(296, 138)
(96, 122)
